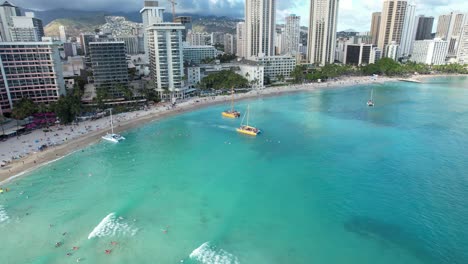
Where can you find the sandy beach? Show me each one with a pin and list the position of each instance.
(22, 153)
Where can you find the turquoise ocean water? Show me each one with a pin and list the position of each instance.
(329, 181)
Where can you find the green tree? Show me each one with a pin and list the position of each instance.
(68, 107)
(24, 108)
(224, 80)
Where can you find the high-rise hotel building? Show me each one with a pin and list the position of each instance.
(260, 24)
(166, 57)
(29, 70)
(322, 31)
(392, 22)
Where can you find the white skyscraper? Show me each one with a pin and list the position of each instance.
(151, 13)
(408, 34)
(166, 57)
(62, 33)
(7, 12)
(462, 54)
(291, 34)
(241, 35)
(430, 51)
(260, 23)
(449, 27)
(322, 31)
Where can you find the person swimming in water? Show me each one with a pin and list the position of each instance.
(108, 251)
(58, 244)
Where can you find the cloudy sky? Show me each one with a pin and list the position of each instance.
(353, 14)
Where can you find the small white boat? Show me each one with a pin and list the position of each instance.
(371, 101)
(112, 137)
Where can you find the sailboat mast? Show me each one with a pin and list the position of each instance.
(248, 112)
(232, 99)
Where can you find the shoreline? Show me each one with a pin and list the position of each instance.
(126, 121)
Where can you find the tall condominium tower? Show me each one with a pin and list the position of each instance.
(241, 35)
(291, 35)
(32, 70)
(166, 56)
(7, 12)
(109, 64)
(375, 26)
(449, 27)
(392, 22)
(322, 31)
(424, 29)
(408, 33)
(151, 13)
(260, 23)
(26, 28)
(62, 33)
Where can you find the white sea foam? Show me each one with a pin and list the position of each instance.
(3, 215)
(208, 254)
(112, 225)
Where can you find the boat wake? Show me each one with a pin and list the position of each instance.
(208, 254)
(112, 225)
(3, 215)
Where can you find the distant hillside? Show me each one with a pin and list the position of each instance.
(74, 26)
(77, 21)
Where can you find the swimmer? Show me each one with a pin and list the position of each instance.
(58, 244)
(75, 248)
(78, 259)
(108, 251)
(114, 243)
(64, 233)
(69, 254)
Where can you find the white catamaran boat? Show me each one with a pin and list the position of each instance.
(116, 138)
(371, 101)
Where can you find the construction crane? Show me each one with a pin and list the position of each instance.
(173, 3)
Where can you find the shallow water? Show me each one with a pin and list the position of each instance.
(329, 181)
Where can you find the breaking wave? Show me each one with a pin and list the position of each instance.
(112, 225)
(3, 215)
(208, 254)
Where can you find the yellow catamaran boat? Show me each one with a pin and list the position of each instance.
(231, 113)
(246, 129)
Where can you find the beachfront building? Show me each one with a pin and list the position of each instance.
(424, 27)
(408, 34)
(197, 54)
(292, 31)
(109, 65)
(186, 21)
(29, 70)
(193, 76)
(322, 31)
(253, 72)
(26, 28)
(198, 38)
(391, 50)
(166, 57)
(359, 54)
(392, 23)
(449, 28)
(432, 52)
(151, 13)
(7, 12)
(230, 44)
(279, 41)
(131, 44)
(277, 67)
(462, 54)
(240, 35)
(70, 49)
(375, 27)
(260, 24)
(85, 39)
